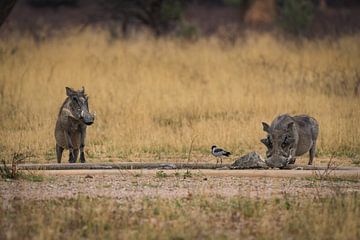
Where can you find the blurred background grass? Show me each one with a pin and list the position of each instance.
(153, 96)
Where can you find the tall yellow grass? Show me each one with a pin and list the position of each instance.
(154, 96)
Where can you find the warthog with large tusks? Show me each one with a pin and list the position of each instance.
(70, 130)
(289, 137)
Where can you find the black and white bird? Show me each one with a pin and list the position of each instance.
(219, 153)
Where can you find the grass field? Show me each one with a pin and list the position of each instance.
(153, 97)
(194, 217)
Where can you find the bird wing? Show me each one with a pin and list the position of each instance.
(218, 150)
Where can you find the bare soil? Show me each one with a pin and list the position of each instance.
(132, 184)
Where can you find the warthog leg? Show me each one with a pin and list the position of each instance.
(82, 144)
(71, 147)
(59, 151)
(75, 155)
(312, 153)
(82, 154)
(71, 156)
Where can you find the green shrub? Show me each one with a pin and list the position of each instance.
(161, 174)
(295, 16)
(171, 11)
(188, 31)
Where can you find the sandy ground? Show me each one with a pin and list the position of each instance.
(135, 184)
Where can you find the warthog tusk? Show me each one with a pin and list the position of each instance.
(82, 113)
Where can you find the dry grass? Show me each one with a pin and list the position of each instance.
(152, 97)
(336, 217)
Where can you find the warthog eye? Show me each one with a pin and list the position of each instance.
(285, 142)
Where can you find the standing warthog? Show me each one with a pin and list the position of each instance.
(70, 130)
(289, 137)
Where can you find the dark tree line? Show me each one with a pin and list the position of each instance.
(163, 16)
(5, 8)
(159, 15)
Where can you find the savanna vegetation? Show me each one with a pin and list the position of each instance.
(165, 89)
(153, 96)
(192, 217)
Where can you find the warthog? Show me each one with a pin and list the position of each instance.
(289, 137)
(70, 130)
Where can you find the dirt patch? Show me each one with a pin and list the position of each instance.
(132, 184)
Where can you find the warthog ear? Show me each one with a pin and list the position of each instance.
(266, 127)
(69, 91)
(83, 90)
(265, 142)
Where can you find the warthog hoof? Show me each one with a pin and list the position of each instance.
(72, 160)
(82, 157)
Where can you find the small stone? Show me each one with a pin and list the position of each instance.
(88, 176)
(167, 166)
(249, 161)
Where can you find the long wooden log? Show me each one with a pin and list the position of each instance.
(126, 165)
(137, 165)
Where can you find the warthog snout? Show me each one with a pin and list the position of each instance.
(87, 118)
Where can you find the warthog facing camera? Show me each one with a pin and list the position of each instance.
(70, 130)
(289, 137)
